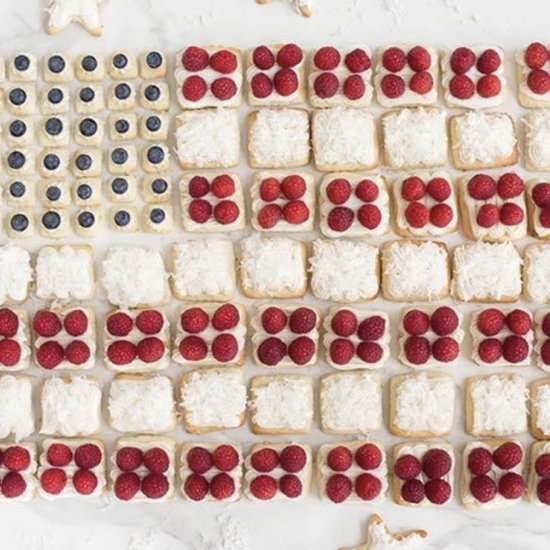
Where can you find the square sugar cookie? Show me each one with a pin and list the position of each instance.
(16, 407)
(532, 75)
(536, 273)
(540, 408)
(16, 274)
(538, 213)
(537, 491)
(542, 339)
(537, 135)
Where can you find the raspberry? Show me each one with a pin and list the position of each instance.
(511, 486)
(488, 62)
(301, 350)
(290, 485)
(480, 461)
(338, 191)
(196, 487)
(413, 189)
(263, 58)
(419, 59)
(194, 88)
(338, 488)
(88, 456)
(271, 351)
(77, 352)
(542, 465)
(439, 189)
(150, 321)
(367, 486)
(222, 486)
(154, 486)
(46, 323)
(269, 215)
(489, 350)
(413, 491)
(544, 217)
(515, 349)
(225, 348)
(367, 191)
(194, 320)
(84, 482)
(326, 58)
(10, 352)
(417, 349)
(444, 321)
(368, 456)
(9, 323)
(340, 218)
(417, 215)
(263, 487)
(508, 455)
(289, 55)
(416, 322)
(489, 86)
(339, 459)
(326, 85)
(76, 322)
(357, 61)
(490, 321)
(226, 317)
(421, 83)
(53, 481)
(223, 186)
(129, 458)
(436, 463)
(543, 490)
(269, 189)
(225, 458)
(302, 320)
(539, 81)
(392, 86)
(461, 87)
(462, 60)
(519, 321)
(372, 328)
(49, 355)
(445, 349)
(482, 187)
(198, 187)
(273, 320)
(341, 351)
(13, 485)
(394, 59)
(292, 458)
(193, 348)
(261, 86)
(407, 467)
(16, 458)
(121, 352)
(199, 210)
(545, 325)
(293, 187)
(223, 61)
(344, 322)
(536, 55)
(126, 486)
(264, 460)
(156, 460)
(487, 215)
(194, 59)
(438, 491)
(296, 212)
(511, 214)
(369, 352)
(199, 460)
(369, 216)
(545, 352)
(59, 455)
(510, 185)
(354, 87)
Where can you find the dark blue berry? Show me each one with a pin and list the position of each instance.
(22, 62)
(119, 186)
(86, 219)
(18, 96)
(53, 193)
(155, 154)
(17, 189)
(55, 96)
(119, 155)
(18, 128)
(122, 125)
(87, 94)
(159, 186)
(54, 126)
(153, 123)
(51, 161)
(122, 218)
(122, 91)
(83, 162)
(120, 61)
(56, 64)
(152, 92)
(88, 127)
(157, 215)
(89, 63)
(16, 160)
(19, 222)
(154, 60)
(51, 220)
(84, 191)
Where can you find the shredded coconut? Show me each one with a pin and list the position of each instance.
(16, 411)
(537, 138)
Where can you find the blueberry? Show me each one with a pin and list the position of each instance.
(56, 64)
(86, 219)
(159, 186)
(154, 60)
(53, 193)
(84, 191)
(122, 218)
(155, 154)
(87, 94)
(16, 160)
(54, 126)
(119, 155)
(153, 123)
(152, 92)
(157, 215)
(120, 61)
(22, 62)
(89, 63)
(19, 222)
(55, 96)
(18, 96)
(119, 186)
(88, 127)
(18, 128)
(83, 162)
(51, 161)
(122, 125)
(51, 220)
(17, 189)
(122, 91)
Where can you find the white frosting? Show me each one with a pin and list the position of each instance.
(415, 271)
(214, 398)
(351, 402)
(522, 73)
(344, 271)
(499, 405)
(204, 268)
(65, 273)
(279, 137)
(424, 404)
(133, 276)
(283, 403)
(537, 139)
(415, 138)
(16, 410)
(63, 12)
(28, 474)
(263, 271)
(344, 138)
(541, 403)
(15, 273)
(537, 261)
(208, 138)
(71, 407)
(486, 271)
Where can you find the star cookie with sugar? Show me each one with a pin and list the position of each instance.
(380, 538)
(303, 7)
(65, 12)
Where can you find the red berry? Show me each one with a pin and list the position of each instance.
(445, 349)
(226, 212)
(269, 189)
(261, 86)
(462, 60)
(154, 486)
(263, 58)
(150, 321)
(121, 352)
(340, 218)
(369, 352)
(9, 323)
(301, 350)
(413, 189)
(338, 488)
(341, 351)
(368, 456)
(480, 461)
(196, 487)
(536, 55)
(326, 85)
(419, 59)
(199, 460)
(292, 458)
(59, 455)
(88, 456)
(546, 324)
(222, 486)
(16, 458)
(508, 455)
(367, 486)
(367, 191)
(53, 480)
(198, 187)
(490, 321)
(438, 491)
(119, 324)
(461, 87)
(482, 187)
(225, 348)
(344, 322)
(289, 55)
(439, 189)
(194, 320)
(441, 215)
(357, 61)
(264, 460)
(538, 81)
(199, 210)
(354, 87)
(126, 486)
(488, 62)
(413, 491)
(511, 214)
(46, 323)
(293, 187)
(544, 217)
(394, 59)
(416, 322)
(326, 58)
(483, 488)
(510, 185)
(269, 215)
(392, 86)
(13, 485)
(49, 355)
(417, 349)
(271, 351)
(339, 459)
(10, 352)
(129, 458)
(194, 59)
(421, 83)
(290, 485)
(487, 215)
(273, 320)
(545, 352)
(417, 215)
(543, 490)
(76, 322)
(515, 349)
(84, 482)
(226, 317)
(436, 463)
(444, 321)
(372, 328)
(338, 191)
(156, 460)
(489, 350)
(193, 348)
(542, 465)
(511, 486)
(224, 61)
(225, 458)
(296, 212)
(519, 321)
(263, 487)
(194, 88)
(407, 467)
(302, 320)
(489, 86)
(223, 186)
(77, 352)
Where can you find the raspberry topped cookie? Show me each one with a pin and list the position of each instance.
(538, 206)
(539, 476)
(17, 481)
(533, 75)
(14, 340)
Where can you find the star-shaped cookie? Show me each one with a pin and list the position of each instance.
(65, 12)
(380, 538)
(304, 7)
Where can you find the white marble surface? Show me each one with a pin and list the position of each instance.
(310, 524)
